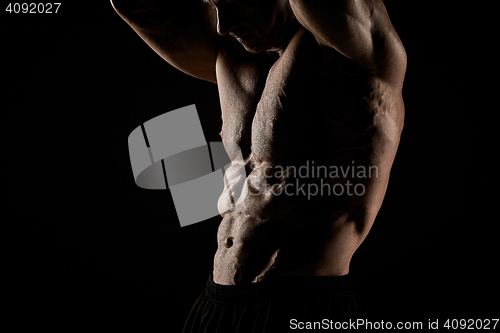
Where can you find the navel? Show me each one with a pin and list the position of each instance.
(229, 242)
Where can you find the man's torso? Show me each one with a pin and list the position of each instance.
(310, 108)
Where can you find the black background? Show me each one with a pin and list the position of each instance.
(87, 248)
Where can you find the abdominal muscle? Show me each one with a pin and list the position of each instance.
(268, 234)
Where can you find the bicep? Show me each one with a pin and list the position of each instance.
(188, 41)
(360, 30)
(344, 25)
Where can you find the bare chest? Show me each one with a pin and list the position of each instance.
(276, 110)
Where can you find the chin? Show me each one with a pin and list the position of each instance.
(254, 48)
(254, 44)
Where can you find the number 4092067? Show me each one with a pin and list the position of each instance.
(33, 8)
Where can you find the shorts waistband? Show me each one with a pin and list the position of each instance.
(318, 286)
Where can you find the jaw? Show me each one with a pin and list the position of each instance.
(271, 33)
(276, 40)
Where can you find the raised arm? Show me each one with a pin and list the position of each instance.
(360, 30)
(183, 32)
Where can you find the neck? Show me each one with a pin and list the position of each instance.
(289, 31)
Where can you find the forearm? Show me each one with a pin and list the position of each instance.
(182, 32)
(137, 10)
(152, 17)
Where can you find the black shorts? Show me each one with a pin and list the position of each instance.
(292, 304)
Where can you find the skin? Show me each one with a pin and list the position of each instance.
(301, 82)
